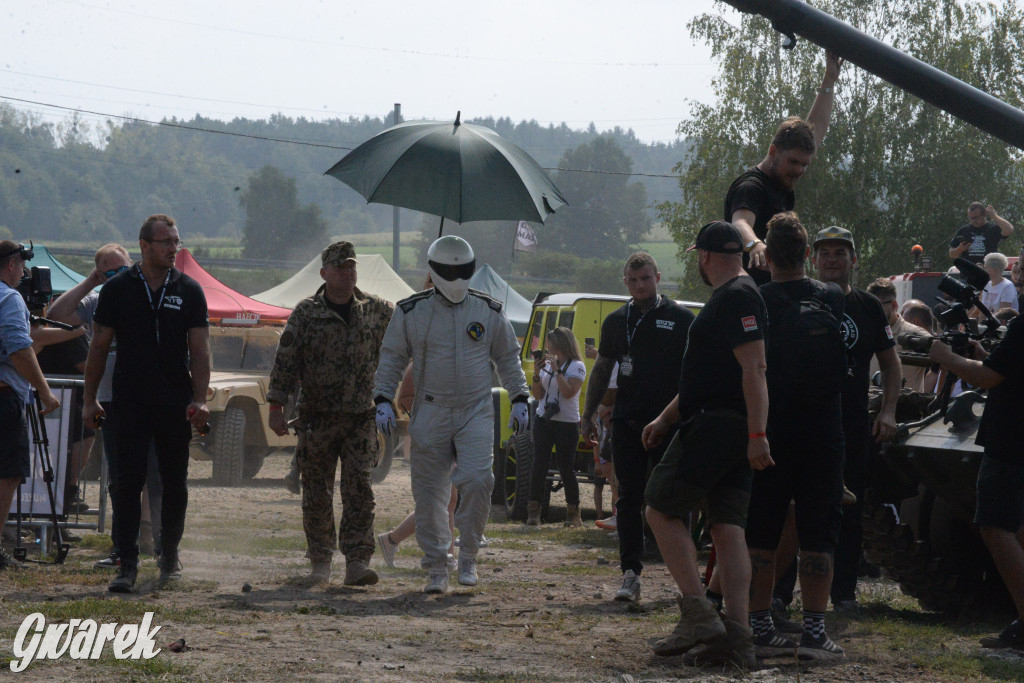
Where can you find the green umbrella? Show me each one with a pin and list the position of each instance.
(457, 171)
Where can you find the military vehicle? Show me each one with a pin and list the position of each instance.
(919, 528)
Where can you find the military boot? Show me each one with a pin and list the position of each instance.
(358, 573)
(572, 516)
(533, 513)
(736, 648)
(698, 623)
(321, 572)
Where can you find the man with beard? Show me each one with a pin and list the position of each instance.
(764, 190)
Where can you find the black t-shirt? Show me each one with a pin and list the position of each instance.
(152, 335)
(757, 192)
(866, 332)
(65, 358)
(983, 240)
(341, 309)
(656, 346)
(712, 378)
(1004, 410)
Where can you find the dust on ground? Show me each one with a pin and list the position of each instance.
(542, 611)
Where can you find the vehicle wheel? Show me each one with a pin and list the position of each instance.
(229, 447)
(386, 449)
(515, 478)
(254, 456)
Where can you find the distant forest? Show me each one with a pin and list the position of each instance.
(85, 182)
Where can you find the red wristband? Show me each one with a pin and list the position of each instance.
(274, 406)
(757, 435)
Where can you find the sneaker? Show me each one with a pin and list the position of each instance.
(780, 621)
(819, 649)
(736, 648)
(8, 562)
(170, 569)
(451, 563)
(387, 548)
(125, 581)
(608, 524)
(629, 591)
(1012, 637)
(358, 573)
(111, 561)
(438, 581)
(699, 623)
(772, 644)
(467, 572)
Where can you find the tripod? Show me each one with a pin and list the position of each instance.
(41, 447)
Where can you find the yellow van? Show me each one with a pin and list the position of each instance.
(513, 456)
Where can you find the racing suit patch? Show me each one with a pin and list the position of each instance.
(475, 331)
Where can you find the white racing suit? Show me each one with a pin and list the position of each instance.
(451, 347)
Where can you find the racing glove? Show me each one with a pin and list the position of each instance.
(385, 418)
(519, 419)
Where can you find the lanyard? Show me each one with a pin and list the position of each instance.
(630, 335)
(159, 302)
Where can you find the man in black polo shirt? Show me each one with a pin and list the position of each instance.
(159, 317)
(764, 190)
(646, 337)
(722, 403)
(866, 331)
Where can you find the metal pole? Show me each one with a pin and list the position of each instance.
(394, 210)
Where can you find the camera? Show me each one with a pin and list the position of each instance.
(537, 355)
(551, 408)
(35, 288)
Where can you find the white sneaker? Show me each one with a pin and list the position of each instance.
(438, 581)
(630, 589)
(452, 563)
(387, 548)
(467, 572)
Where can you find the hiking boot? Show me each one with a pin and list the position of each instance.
(292, 481)
(735, 648)
(170, 569)
(320, 572)
(698, 623)
(773, 644)
(780, 621)
(1012, 637)
(8, 562)
(572, 516)
(467, 571)
(358, 573)
(387, 548)
(533, 513)
(125, 581)
(629, 591)
(111, 561)
(821, 649)
(608, 524)
(438, 581)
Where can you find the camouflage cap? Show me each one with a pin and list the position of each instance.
(835, 234)
(338, 253)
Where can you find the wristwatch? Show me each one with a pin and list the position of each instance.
(750, 245)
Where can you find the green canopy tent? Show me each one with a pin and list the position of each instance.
(516, 306)
(62, 278)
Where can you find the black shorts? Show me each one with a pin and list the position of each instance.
(811, 475)
(1000, 494)
(14, 452)
(705, 467)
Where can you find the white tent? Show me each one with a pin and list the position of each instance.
(375, 277)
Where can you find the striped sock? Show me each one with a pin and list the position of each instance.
(814, 624)
(761, 622)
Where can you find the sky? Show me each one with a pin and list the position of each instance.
(553, 61)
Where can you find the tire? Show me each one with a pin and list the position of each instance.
(515, 479)
(229, 447)
(386, 446)
(253, 462)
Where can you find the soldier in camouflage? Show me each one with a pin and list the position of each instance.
(330, 348)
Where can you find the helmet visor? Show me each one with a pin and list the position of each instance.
(462, 271)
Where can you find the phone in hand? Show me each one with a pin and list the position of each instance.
(589, 341)
(538, 354)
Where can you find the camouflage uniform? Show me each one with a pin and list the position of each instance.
(334, 361)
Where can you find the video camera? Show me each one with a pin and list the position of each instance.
(35, 287)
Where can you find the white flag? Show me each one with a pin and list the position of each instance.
(526, 240)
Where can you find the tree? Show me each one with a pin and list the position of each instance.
(606, 211)
(893, 169)
(276, 225)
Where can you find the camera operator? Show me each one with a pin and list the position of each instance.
(1000, 503)
(19, 373)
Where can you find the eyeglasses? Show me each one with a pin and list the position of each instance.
(169, 242)
(111, 273)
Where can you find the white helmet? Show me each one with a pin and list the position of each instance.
(451, 263)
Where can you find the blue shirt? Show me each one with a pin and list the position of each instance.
(14, 336)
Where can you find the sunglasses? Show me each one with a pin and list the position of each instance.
(111, 273)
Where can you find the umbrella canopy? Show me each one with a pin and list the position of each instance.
(457, 171)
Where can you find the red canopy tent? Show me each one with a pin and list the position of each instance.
(226, 306)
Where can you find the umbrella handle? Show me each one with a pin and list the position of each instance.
(441, 228)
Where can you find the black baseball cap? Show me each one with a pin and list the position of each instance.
(720, 237)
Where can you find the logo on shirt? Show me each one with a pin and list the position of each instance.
(475, 331)
(665, 324)
(749, 323)
(850, 332)
(173, 302)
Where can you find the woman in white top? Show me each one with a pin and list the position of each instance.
(999, 292)
(556, 386)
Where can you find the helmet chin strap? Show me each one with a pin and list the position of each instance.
(453, 290)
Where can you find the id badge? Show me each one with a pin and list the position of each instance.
(626, 366)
